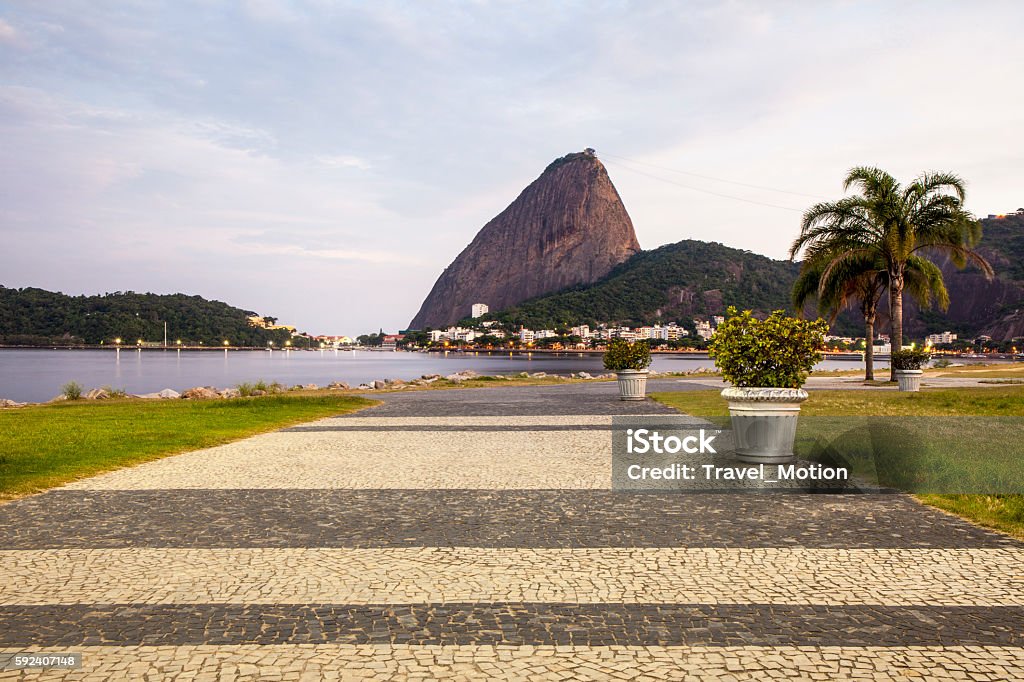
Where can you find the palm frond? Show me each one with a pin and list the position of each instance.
(924, 282)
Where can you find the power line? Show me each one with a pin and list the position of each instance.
(707, 191)
(714, 179)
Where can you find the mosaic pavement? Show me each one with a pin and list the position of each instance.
(471, 534)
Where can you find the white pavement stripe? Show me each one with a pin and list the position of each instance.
(381, 460)
(892, 577)
(553, 420)
(399, 662)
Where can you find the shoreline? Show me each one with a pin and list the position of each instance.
(853, 356)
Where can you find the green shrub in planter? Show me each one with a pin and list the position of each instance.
(777, 352)
(622, 355)
(909, 359)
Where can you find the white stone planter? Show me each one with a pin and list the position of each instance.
(632, 384)
(764, 422)
(909, 379)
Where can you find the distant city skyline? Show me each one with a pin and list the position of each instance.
(323, 162)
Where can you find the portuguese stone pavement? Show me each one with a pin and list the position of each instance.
(472, 534)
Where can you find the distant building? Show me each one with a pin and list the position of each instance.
(939, 339)
(667, 333)
(334, 341)
(269, 323)
(526, 335)
(704, 330)
(480, 309)
(582, 331)
(390, 341)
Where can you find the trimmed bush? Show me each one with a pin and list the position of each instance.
(777, 352)
(622, 355)
(909, 359)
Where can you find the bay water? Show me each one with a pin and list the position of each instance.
(30, 375)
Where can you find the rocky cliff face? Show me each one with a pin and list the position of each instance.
(568, 227)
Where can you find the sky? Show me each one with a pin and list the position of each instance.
(322, 162)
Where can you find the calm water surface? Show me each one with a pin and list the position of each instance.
(37, 375)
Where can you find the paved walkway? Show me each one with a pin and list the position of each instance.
(472, 534)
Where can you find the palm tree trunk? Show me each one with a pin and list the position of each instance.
(896, 315)
(869, 348)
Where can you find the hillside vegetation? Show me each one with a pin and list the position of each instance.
(674, 282)
(37, 317)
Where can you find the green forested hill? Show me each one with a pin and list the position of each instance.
(675, 282)
(37, 317)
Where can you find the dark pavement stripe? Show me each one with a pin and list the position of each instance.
(512, 624)
(523, 401)
(476, 518)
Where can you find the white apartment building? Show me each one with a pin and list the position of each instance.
(668, 333)
(480, 309)
(674, 331)
(582, 331)
(936, 339)
(545, 334)
(526, 335)
(703, 329)
(452, 334)
(839, 339)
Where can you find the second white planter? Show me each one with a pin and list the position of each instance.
(764, 422)
(632, 384)
(909, 379)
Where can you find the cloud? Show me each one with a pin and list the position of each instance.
(344, 161)
(296, 251)
(7, 33)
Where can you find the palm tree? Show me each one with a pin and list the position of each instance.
(896, 226)
(864, 281)
(857, 282)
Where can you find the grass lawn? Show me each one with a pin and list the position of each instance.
(1002, 512)
(1004, 370)
(48, 445)
(1005, 401)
